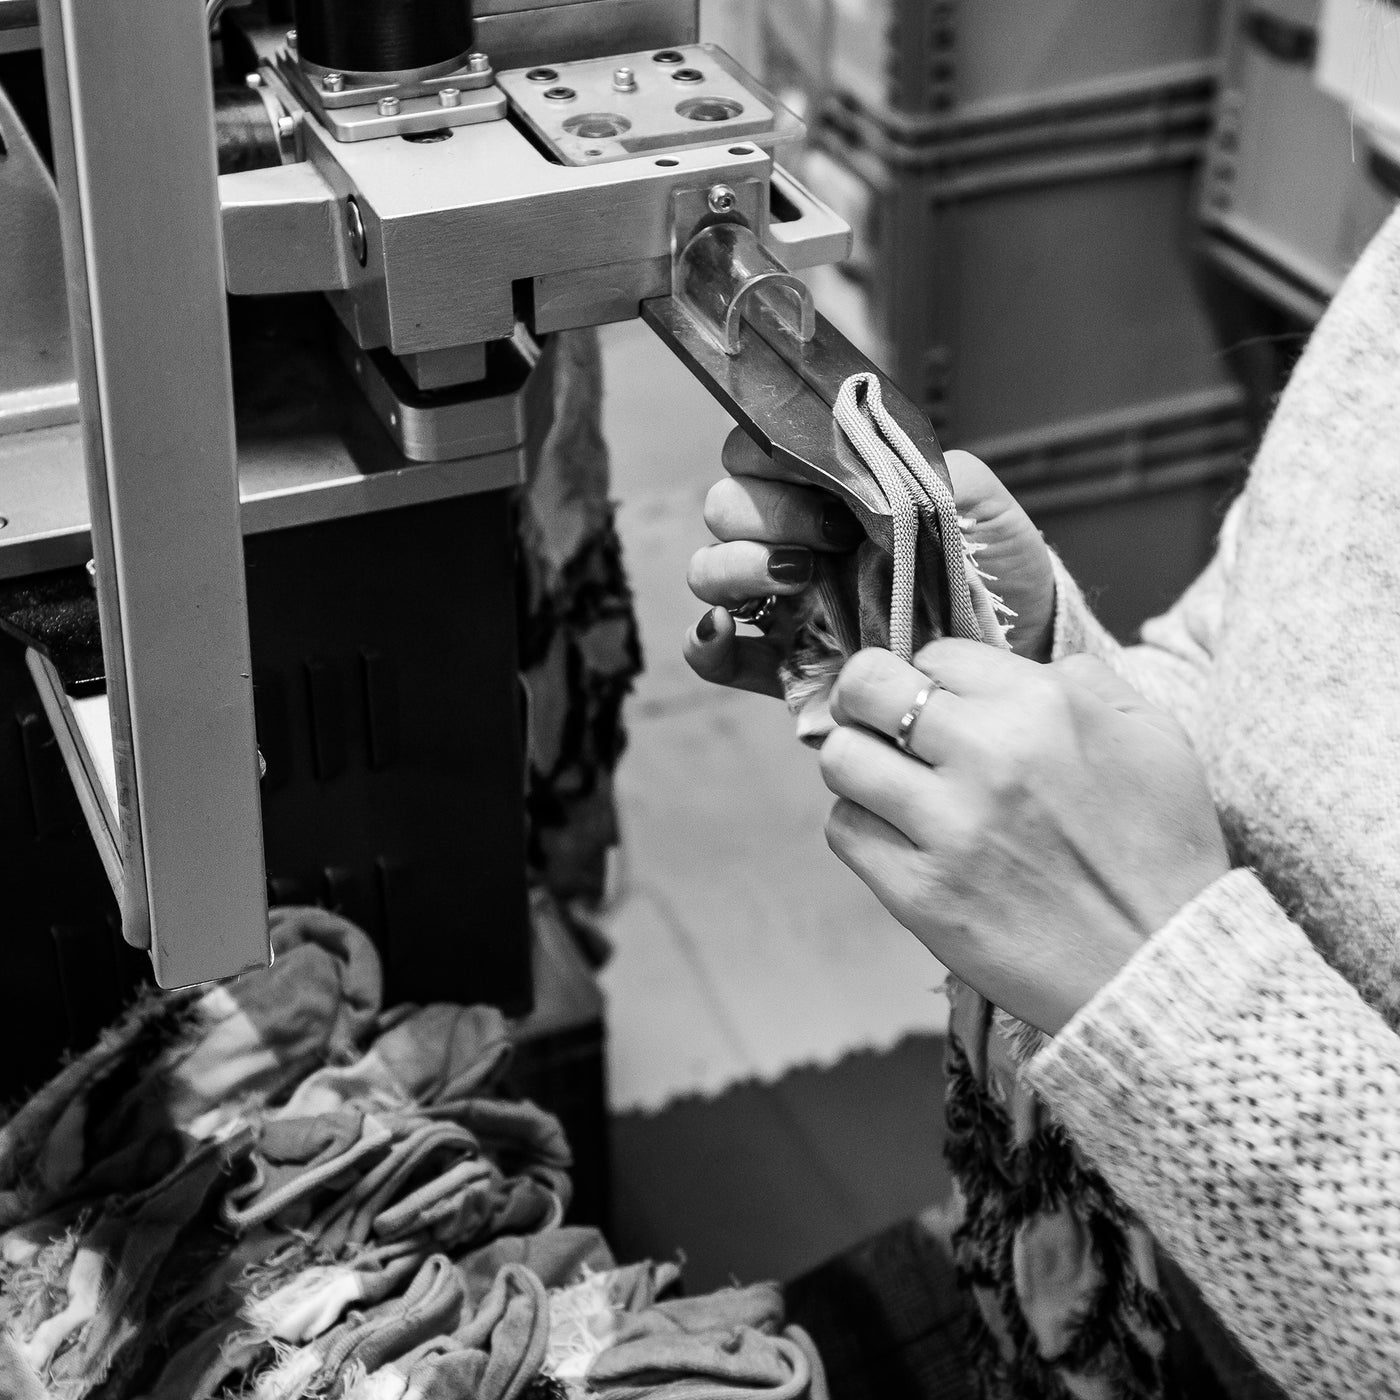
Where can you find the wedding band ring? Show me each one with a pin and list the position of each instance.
(757, 612)
(911, 718)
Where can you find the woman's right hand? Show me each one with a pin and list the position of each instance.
(770, 528)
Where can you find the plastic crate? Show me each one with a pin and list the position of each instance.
(944, 60)
(1049, 287)
(1133, 513)
(1293, 191)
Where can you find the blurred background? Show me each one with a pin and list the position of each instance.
(1091, 238)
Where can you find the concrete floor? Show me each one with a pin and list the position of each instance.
(774, 1034)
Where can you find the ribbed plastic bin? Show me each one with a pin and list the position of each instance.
(1293, 192)
(1134, 513)
(1048, 288)
(945, 59)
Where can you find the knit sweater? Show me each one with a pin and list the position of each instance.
(1238, 1083)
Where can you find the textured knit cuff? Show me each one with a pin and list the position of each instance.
(1180, 986)
(1076, 628)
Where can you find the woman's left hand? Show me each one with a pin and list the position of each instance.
(1048, 822)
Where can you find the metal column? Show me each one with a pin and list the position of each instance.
(130, 95)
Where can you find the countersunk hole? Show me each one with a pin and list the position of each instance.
(543, 75)
(741, 150)
(668, 162)
(709, 109)
(593, 151)
(597, 126)
(426, 138)
(668, 56)
(688, 75)
(560, 94)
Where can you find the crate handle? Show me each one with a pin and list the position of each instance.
(1280, 39)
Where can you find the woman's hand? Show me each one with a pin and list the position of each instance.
(770, 529)
(1048, 823)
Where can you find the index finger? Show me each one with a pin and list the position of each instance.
(973, 669)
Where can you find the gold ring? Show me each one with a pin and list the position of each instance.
(911, 718)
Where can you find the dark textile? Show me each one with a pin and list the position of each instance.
(889, 1319)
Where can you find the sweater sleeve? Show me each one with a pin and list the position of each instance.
(1171, 664)
(1244, 1100)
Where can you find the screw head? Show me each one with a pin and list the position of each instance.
(478, 63)
(254, 80)
(388, 106)
(291, 38)
(721, 199)
(624, 80)
(359, 244)
(333, 82)
(286, 128)
(449, 97)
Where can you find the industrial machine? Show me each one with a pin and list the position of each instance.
(457, 183)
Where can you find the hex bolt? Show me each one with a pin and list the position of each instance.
(359, 244)
(449, 97)
(286, 128)
(624, 80)
(388, 106)
(721, 199)
(333, 82)
(478, 63)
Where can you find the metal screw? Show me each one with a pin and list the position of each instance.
(449, 97)
(388, 106)
(286, 128)
(624, 80)
(359, 244)
(721, 199)
(333, 82)
(478, 63)
(254, 80)
(291, 38)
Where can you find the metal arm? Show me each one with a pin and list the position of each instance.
(134, 154)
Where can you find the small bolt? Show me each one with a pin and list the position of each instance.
(254, 80)
(388, 106)
(286, 128)
(333, 82)
(359, 244)
(291, 38)
(624, 80)
(721, 199)
(449, 97)
(478, 63)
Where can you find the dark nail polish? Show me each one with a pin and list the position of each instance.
(840, 527)
(705, 629)
(790, 565)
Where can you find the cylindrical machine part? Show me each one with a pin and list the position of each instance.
(382, 36)
(247, 133)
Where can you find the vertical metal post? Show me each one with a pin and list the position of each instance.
(130, 95)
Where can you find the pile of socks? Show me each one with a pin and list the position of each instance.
(276, 1189)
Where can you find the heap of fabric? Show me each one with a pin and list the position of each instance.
(275, 1189)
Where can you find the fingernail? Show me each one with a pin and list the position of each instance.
(790, 565)
(840, 527)
(705, 629)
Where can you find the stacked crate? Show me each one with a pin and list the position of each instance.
(1293, 189)
(1022, 181)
